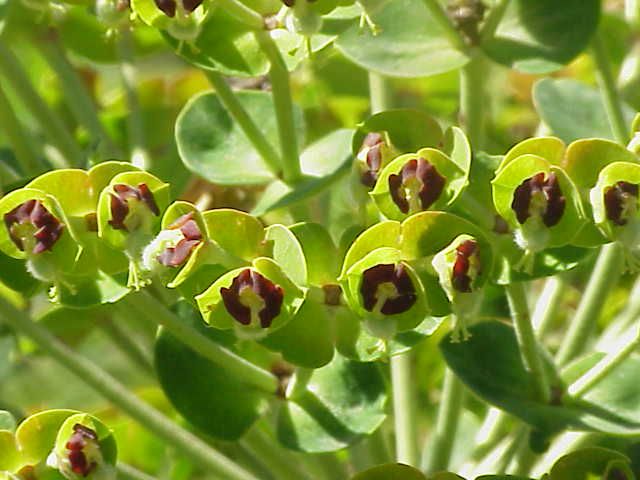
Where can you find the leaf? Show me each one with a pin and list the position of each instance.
(573, 110)
(389, 471)
(287, 252)
(202, 391)
(320, 253)
(322, 164)
(342, 402)
(410, 43)
(583, 463)
(540, 36)
(212, 145)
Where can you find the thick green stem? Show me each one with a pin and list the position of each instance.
(610, 96)
(548, 304)
(135, 123)
(119, 395)
(241, 116)
(49, 122)
(472, 105)
(441, 18)
(402, 383)
(605, 366)
(379, 93)
(245, 371)
(75, 92)
(283, 102)
(242, 13)
(18, 138)
(493, 20)
(527, 340)
(603, 278)
(127, 472)
(440, 445)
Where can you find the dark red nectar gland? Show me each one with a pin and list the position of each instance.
(541, 197)
(417, 186)
(120, 203)
(621, 202)
(373, 143)
(460, 278)
(32, 226)
(176, 256)
(169, 6)
(387, 289)
(81, 438)
(253, 298)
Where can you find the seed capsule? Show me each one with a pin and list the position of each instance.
(388, 289)
(42, 228)
(253, 298)
(120, 203)
(538, 196)
(417, 186)
(621, 201)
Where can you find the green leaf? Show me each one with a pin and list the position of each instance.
(343, 401)
(540, 36)
(319, 251)
(389, 471)
(322, 164)
(287, 252)
(212, 145)
(410, 42)
(583, 463)
(573, 110)
(202, 391)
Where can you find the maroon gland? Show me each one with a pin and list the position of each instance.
(77, 444)
(460, 278)
(539, 196)
(620, 201)
(120, 203)
(176, 256)
(169, 6)
(417, 186)
(30, 223)
(388, 289)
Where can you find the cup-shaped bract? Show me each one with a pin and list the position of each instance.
(386, 292)
(539, 201)
(84, 448)
(416, 182)
(254, 300)
(182, 19)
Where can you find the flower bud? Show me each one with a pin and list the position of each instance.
(417, 186)
(32, 228)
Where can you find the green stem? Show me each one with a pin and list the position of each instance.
(603, 368)
(237, 111)
(472, 105)
(283, 102)
(148, 307)
(441, 18)
(127, 472)
(610, 95)
(242, 13)
(135, 123)
(49, 122)
(632, 11)
(493, 20)
(490, 433)
(127, 345)
(298, 384)
(527, 339)
(404, 417)
(379, 93)
(548, 304)
(602, 280)
(119, 395)
(441, 442)
(18, 138)
(75, 92)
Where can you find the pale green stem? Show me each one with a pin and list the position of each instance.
(379, 93)
(525, 458)
(119, 395)
(148, 307)
(231, 103)
(527, 340)
(52, 126)
(124, 341)
(493, 20)
(603, 368)
(18, 138)
(440, 443)
(602, 280)
(242, 13)
(402, 383)
(490, 433)
(610, 96)
(298, 383)
(548, 304)
(441, 18)
(75, 92)
(472, 104)
(632, 11)
(127, 472)
(283, 102)
(135, 123)
(623, 321)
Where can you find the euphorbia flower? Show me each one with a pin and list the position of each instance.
(83, 450)
(169, 7)
(253, 299)
(374, 154)
(123, 201)
(539, 197)
(621, 202)
(182, 236)
(417, 186)
(32, 228)
(387, 289)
